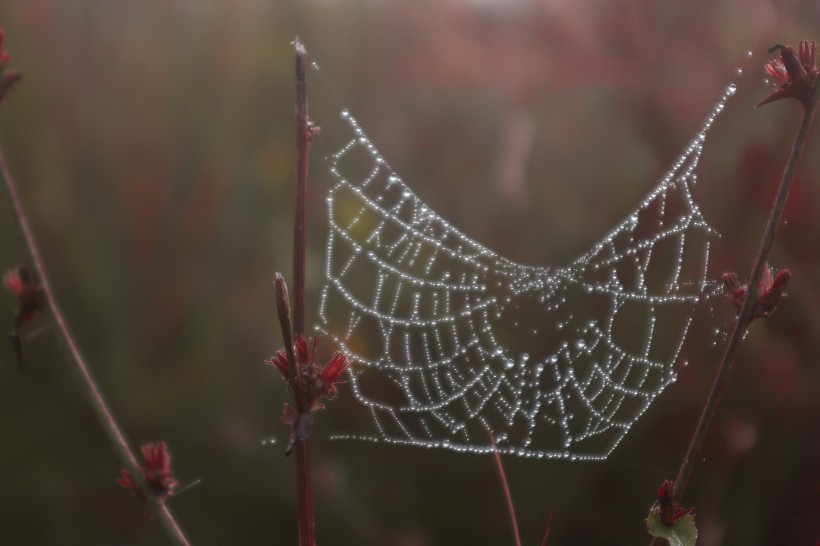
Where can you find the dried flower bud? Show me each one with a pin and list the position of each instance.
(771, 291)
(280, 362)
(157, 471)
(311, 383)
(668, 508)
(796, 72)
(669, 521)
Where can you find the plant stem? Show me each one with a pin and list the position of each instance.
(92, 390)
(547, 531)
(304, 489)
(507, 494)
(304, 495)
(745, 317)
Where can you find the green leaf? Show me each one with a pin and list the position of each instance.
(682, 533)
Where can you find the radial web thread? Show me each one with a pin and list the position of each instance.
(451, 339)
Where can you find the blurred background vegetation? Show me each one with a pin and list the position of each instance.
(153, 141)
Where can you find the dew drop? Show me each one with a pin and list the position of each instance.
(345, 114)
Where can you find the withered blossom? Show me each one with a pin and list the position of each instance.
(157, 471)
(770, 292)
(796, 72)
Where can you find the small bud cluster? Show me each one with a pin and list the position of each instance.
(157, 471)
(771, 290)
(310, 384)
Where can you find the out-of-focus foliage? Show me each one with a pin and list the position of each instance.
(153, 140)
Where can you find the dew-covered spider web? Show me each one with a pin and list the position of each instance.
(450, 339)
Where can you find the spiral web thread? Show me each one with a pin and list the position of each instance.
(451, 340)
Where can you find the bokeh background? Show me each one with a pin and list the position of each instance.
(153, 141)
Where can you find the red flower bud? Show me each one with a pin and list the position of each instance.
(335, 368)
(668, 507)
(770, 292)
(157, 471)
(280, 362)
(311, 383)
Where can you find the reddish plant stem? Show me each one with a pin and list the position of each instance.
(547, 532)
(304, 489)
(745, 317)
(507, 494)
(304, 498)
(92, 390)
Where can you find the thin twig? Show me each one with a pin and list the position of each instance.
(507, 494)
(92, 391)
(304, 488)
(300, 214)
(745, 316)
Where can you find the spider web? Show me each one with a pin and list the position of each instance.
(451, 339)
